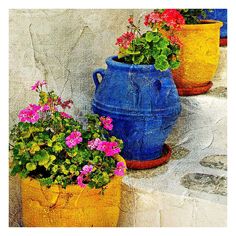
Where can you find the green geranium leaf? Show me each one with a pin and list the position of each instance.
(30, 166)
(15, 169)
(49, 142)
(57, 147)
(42, 157)
(34, 148)
(72, 169)
(64, 170)
(161, 65)
(46, 181)
(149, 36)
(54, 168)
(155, 39)
(138, 59)
(174, 64)
(166, 51)
(163, 43)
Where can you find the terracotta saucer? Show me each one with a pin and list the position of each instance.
(194, 90)
(140, 165)
(223, 42)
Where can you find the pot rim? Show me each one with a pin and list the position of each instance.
(110, 61)
(207, 24)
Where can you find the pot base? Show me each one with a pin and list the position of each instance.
(223, 42)
(141, 165)
(194, 90)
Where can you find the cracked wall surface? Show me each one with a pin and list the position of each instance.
(63, 47)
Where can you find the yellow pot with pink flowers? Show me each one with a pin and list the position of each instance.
(71, 168)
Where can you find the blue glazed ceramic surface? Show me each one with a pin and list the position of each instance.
(220, 15)
(143, 103)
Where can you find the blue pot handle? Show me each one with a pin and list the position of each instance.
(163, 86)
(95, 76)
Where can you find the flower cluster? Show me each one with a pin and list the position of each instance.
(53, 147)
(175, 40)
(30, 114)
(109, 148)
(65, 115)
(173, 18)
(153, 18)
(73, 139)
(107, 122)
(125, 39)
(169, 17)
(120, 169)
(158, 46)
(38, 84)
(85, 170)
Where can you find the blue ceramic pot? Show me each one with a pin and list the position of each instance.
(143, 103)
(220, 15)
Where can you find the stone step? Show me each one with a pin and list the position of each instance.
(191, 189)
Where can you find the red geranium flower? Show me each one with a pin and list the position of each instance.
(173, 18)
(125, 39)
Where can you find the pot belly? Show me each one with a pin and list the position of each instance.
(143, 136)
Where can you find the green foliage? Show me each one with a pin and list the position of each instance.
(151, 48)
(193, 16)
(40, 151)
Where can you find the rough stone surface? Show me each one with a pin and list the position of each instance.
(147, 173)
(206, 183)
(218, 92)
(215, 161)
(14, 202)
(179, 153)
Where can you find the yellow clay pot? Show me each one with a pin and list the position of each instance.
(70, 207)
(199, 57)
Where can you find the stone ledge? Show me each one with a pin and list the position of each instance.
(191, 189)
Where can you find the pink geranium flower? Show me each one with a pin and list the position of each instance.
(110, 148)
(107, 122)
(153, 17)
(29, 114)
(125, 40)
(65, 115)
(38, 84)
(120, 169)
(73, 139)
(80, 181)
(45, 107)
(23, 115)
(34, 107)
(86, 169)
(92, 144)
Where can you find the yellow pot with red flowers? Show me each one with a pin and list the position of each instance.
(199, 56)
(199, 46)
(71, 168)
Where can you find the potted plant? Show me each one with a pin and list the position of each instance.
(199, 54)
(138, 92)
(71, 168)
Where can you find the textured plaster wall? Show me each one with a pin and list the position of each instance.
(63, 47)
